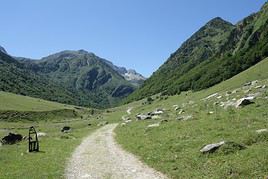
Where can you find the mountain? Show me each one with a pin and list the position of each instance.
(17, 79)
(216, 52)
(3, 50)
(84, 74)
(130, 75)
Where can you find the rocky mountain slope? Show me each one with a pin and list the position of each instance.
(130, 75)
(16, 79)
(73, 77)
(216, 52)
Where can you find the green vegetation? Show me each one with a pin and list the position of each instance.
(173, 147)
(215, 53)
(10, 101)
(18, 113)
(55, 148)
(70, 77)
(92, 81)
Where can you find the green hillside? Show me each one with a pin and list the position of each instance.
(10, 101)
(70, 77)
(15, 78)
(215, 53)
(174, 146)
(89, 78)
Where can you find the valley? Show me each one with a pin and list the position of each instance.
(202, 114)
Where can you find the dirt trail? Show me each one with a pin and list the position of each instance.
(99, 156)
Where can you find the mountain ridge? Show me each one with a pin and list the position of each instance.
(216, 52)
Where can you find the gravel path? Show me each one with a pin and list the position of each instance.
(99, 156)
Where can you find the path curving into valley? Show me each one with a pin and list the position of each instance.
(100, 157)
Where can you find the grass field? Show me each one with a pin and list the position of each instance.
(47, 117)
(9, 101)
(173, 147)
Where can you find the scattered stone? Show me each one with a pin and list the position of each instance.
(247, 84)
(244, 102)
(211, 96)
(219, 97)
(261, 131)
(41, 134)
(210, 112)
(156, 117)
(158, 112)
(153, 125)
(258, 87)
(143, 117)
(177, 108)
(163, 121)
(247, 91)
(128, 121)
(184, 118)
(66, 129)
(11, 139)
(180, 118)
(253, 83)
(181, 111)
(210, 148)
(264, 86)
(124, 118)
(234, 92)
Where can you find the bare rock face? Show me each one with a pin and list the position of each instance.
(11, 139)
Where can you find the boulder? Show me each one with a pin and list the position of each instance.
(177, 108)
(153, 125)
(156, 112)
(66, 129)
(210, 148)
(41, 134)
(156, 117)
(128, 121)
(143, 117)
(163, 121)
(261, 131)
(184, 118)
(123, 124)
(244, 102)
(258, 87)
(181, 111)
(211, 96)
(11, 139)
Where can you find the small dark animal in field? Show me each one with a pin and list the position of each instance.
(66, 129)
(11, 138)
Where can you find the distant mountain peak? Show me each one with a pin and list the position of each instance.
(218, 22)
(2, 49)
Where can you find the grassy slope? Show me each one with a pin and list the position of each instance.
(10, 101)
(55, 148)
(173, 148)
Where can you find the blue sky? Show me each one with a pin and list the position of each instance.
(139, 34)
